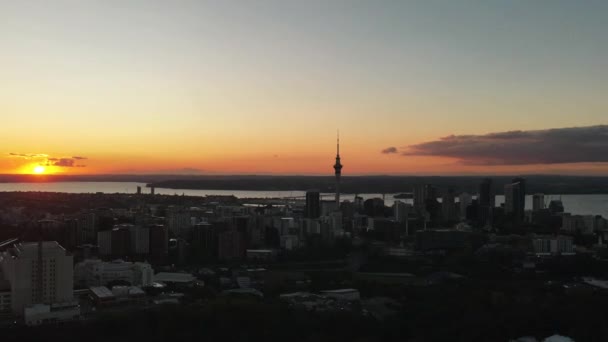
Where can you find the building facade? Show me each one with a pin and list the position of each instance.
(94, 272)
(38, 274)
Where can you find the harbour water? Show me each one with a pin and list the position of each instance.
(575, 204)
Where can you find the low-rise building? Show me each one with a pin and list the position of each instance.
(553, 245)
(101, 295)
(350, 295)
(175, 278)
(38, 314)
(95, 272)
(260, 254)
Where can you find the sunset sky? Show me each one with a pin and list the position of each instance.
(231, 87)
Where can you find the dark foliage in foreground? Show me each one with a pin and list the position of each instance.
(462, 311)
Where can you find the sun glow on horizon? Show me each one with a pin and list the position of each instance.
(39, 169)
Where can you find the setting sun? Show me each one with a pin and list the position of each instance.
(39, 169)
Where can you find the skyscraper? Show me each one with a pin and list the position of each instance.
(423, 193)
(400, 210)
(487, 201)
(313, 204)
(448, 206)
(121, 241)
(419, 197)
(515, 198)
(159, 243)
(464, 200)
(205, 240)
(538, 202)
(486, 193)
(522, 194)
(338, 172)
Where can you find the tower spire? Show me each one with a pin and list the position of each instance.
(338, 144)
(338, 170)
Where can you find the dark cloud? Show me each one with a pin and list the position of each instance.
(551, 146)
(389, 150)
(45, 159)
(65, 162)
(28, 155)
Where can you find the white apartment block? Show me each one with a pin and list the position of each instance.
(21, 267)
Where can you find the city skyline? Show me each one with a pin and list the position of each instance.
(202, 88)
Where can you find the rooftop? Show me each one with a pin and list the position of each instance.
(30, 249)
(170, 277)
(101, 292)
(340, 291)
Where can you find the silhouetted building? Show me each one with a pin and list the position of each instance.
(385, 230)
(374, 207)
(231, 245)
(121, 241)
(420, 196)
(538, 202)
(71, 235)
(424, 194)
(401, 211)
(87, 225)
(448, 206)
(486, 193)
(313, 204)
(104, 241)
(358, 203)
(348, 209)
(486, 202)
(140, 240)
(328, 207)
(515, 199)
(556, 206)
(179, 221)
(472, 211)
(177, 250)
(205, 241)
(464, 200)
(159, 243)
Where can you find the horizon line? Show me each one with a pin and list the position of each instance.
(294, 175)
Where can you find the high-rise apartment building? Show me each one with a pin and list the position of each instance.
(38, 273)
(515, 198)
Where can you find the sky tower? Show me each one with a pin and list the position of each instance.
(338, 171)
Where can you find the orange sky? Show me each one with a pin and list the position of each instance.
(357, 161)
(164, 87)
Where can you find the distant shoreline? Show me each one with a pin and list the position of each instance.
(547, 184)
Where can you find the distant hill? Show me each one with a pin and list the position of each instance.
(389, 184)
